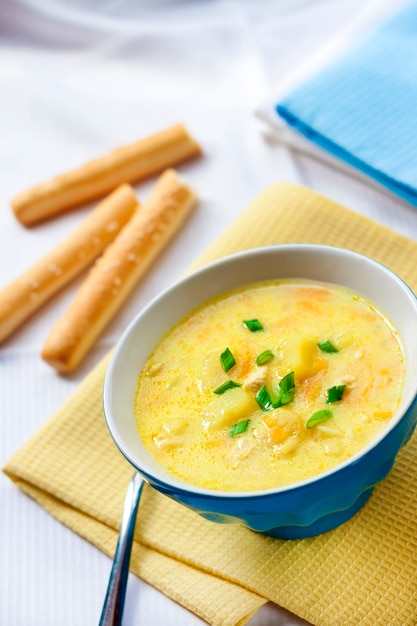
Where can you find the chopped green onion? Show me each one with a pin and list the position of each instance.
(227, 360)
(239, 428)
(264, 357)
(253, 325)
(318, 417)
(335, 394)
(264, 399)
(285, 398)
(287, 382)
(229, 384)
(286, 389)
(327, 346)
(286, 394)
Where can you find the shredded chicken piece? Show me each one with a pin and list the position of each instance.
(256, 379)
(348, 378)
(243, 448)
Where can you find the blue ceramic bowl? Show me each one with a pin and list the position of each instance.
(305, 508)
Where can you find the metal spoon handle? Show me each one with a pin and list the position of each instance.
(113, 606)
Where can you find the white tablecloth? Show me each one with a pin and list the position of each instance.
(77, 79)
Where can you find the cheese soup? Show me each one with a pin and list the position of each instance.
(269, 385)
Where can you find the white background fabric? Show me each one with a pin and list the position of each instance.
(77, 79)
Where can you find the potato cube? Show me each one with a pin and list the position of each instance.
(212, 374)
(228, 409)
(299, 354)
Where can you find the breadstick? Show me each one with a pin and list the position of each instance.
(116, 272)
(26, 294)
(128, 164)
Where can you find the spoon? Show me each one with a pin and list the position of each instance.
(113, 606)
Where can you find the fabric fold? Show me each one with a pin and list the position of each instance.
(362, 572)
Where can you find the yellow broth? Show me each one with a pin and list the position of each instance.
(301, 411)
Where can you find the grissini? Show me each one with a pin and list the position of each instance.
(127, 164)
(115, 274)
(27, 293)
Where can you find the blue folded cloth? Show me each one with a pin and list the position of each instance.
(362, 108)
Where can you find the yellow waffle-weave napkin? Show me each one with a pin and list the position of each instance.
(364, 572)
